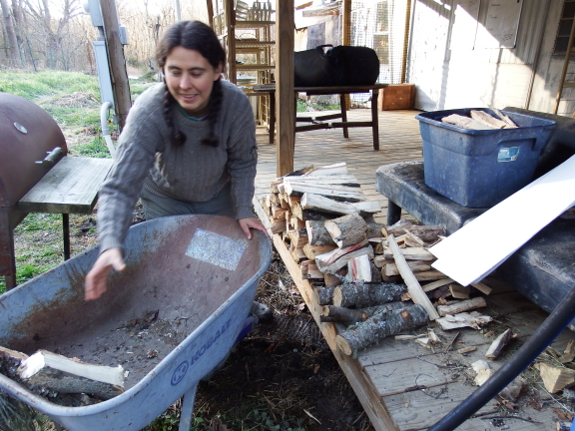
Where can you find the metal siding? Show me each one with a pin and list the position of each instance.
(448, 79)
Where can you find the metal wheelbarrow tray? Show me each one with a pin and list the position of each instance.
(169, 318)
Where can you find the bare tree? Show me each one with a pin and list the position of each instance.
(50, 30)
(10, 33)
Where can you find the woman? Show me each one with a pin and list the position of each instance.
(188, 147)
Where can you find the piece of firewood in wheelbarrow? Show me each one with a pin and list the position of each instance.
(61, 374)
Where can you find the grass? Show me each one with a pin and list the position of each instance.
(73, 100)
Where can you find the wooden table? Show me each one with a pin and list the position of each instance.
(70, 187)
(318, 121)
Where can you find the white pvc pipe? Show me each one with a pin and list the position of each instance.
(105, 131)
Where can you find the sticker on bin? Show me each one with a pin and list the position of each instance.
(216, 249)
(508, 154)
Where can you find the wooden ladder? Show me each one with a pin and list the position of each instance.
(562, 82)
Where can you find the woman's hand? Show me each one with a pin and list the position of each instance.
(96, 280)
(253, 223)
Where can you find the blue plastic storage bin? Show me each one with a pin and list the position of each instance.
(480, 168)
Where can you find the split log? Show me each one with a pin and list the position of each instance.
(357, 294)
(309, 271)
(555, 378)
(359, 268)
(379, 326)
(333, 280)
(505, 118)
(465, 122)
(347, 180)
(460, 306)
(347, 230)
(333, 191)
(58, 373)
(498, 344)
(429, 287)
(429, 234)
(463, 320)
(324, 204)
(417, 294)
(278, 227)
(412, 240)
(12, 355)
(430, 275)
(390, 269)
(568, 353)
(325, 295)
(484, 118)
(317, 234)
(332, 261)
(467, 349)
(484, 372)
(311, 251)
(483, 288)
(334, 169)
(411, 253)
(459, 292)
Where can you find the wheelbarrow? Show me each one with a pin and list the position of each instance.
(196, 274)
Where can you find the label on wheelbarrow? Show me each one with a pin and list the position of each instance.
(216, 249)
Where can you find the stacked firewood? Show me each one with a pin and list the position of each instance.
(366, 275)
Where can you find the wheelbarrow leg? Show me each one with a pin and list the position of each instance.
(187, 409)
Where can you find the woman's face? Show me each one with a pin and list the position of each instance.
(190, 78)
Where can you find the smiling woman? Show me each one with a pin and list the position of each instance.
(188, 148)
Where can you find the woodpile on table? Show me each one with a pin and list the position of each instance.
(373, 280)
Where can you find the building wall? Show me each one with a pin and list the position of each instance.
(451, 69)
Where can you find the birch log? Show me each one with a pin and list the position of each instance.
(358, 294)
(348, 316)
(379, 326)
(347, 230)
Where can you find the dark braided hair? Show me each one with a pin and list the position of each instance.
(197, 36)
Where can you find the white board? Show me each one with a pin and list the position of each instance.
(472, 252)
(501, 24)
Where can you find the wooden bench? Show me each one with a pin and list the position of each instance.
(319, 121)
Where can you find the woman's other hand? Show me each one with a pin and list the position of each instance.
(96, 280)
(251, 223)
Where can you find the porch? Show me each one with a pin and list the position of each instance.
(401, 384)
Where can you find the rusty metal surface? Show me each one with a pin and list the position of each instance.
(19, 151)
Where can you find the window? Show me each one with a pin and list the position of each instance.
(564, 30)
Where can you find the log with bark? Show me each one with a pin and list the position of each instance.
(348, 316)
(331, 262)
(461, 306)
(379, 326)
(358, 294)
(317, 234)
(347, 230)
(428, 234)
(498, 344)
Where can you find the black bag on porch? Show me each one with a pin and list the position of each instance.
(340, 65)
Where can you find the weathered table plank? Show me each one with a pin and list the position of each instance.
(70, 187)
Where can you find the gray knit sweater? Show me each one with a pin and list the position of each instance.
(194, 172)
